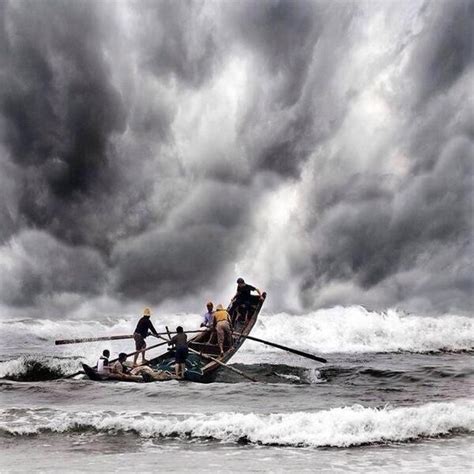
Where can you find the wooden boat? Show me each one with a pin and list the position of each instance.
(199, 366)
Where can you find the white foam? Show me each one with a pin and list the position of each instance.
(339, 329)
(355, 329)
(339, 427)
(293, 378)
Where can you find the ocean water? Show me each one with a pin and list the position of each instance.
(396, 395)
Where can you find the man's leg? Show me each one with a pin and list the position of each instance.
(220, 338)
(143, 352)
(228, 337)
(138, 344)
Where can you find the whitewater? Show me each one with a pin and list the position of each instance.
(394, 396)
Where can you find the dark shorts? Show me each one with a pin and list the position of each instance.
(181, 355)
(139, 341)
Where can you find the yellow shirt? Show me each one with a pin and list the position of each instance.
(221, 315)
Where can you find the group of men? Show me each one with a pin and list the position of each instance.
(221, 322)
(216, 321)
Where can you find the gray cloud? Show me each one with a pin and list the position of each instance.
(444, 50)
(177, 40)
(40, 266)
(59, 109)
(181, 256)
(405, 237)
(141, 142)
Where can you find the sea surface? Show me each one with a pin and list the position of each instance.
(396, 395)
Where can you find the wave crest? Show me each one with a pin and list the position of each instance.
(338, 427)
(357, 330)
(339, 329)
(37, 368)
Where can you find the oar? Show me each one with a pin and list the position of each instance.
(116, 359)
(278, 346)
(233, 369)
(92, 339)
(106, 338)
(205, 356)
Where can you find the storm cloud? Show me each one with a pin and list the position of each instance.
(151, 152)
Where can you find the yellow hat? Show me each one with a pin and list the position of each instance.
(219, 307)
(146, 312)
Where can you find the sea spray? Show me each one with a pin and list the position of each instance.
(357, 330)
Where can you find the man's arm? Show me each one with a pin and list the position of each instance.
(152, 328)
(252, 288)
(235, 296)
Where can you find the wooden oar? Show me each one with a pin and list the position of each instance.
(208, 357)
(107, 338)
(233, 369)
(92, 339)
(116, 359)
(284, 348)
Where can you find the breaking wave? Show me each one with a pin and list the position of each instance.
(356, 329)
(339, 329)
(38, 368)
(338, 427)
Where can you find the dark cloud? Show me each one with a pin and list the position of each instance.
(370, 228)
(444, 50)
(154, 150)
(191, 250)
(294, 106)
(398, 237)
(59, 108)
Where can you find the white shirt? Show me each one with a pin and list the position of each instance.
(101, 368)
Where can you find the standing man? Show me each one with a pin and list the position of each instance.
(208, 318)
(243, 298)
(141, 332)
(222, 325)
(180, 341)
(207, 323)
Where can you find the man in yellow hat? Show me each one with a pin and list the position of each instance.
(222, 325)
(141, 332)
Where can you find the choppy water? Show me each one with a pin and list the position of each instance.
(395, 395)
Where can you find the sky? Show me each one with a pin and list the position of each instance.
(151, 152)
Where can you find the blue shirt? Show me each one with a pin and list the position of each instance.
(208, 319)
